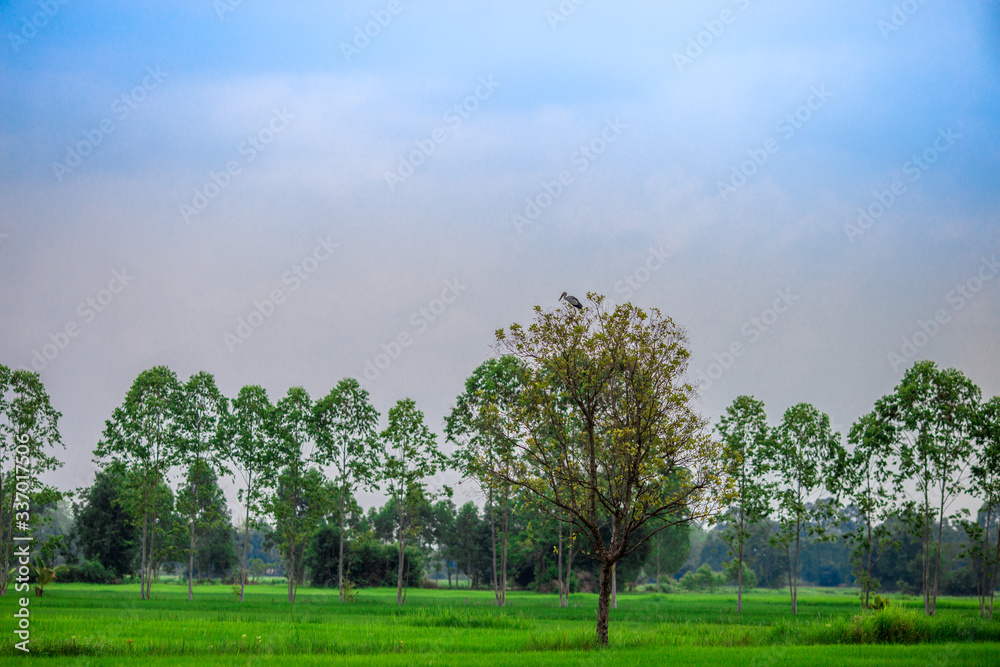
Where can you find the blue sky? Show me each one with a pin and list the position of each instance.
(258, 116)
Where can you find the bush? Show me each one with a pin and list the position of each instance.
(749, 576)
(89, 572)
(367, 562)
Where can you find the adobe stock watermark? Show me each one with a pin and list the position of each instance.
(714, 28)
(913, 168)
(293, 278)
(248, 149)
(582, 158)
(787, 126)
(420, 321)
(87, 311)
(957, 299)
(751, 331)
(22, 509)
(122, 108)
(30, 27)
(453, 119)
(633, 282)
(363, 35)
(223, 7)
(900, 16)
(561, 13)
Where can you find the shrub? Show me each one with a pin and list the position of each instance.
(88, 572)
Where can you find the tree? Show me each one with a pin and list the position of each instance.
(932, 413)
(865, 480)
(606, 426)
(200, 417)
(670, 549)
(141, 435)
(202, 502)
(745, 435)
(299, 500)
(482, 424)
(411, 457)
(104, 531)
(345, 424)
(28, 425)
(986, 486)
(249, 433)
(802, 454)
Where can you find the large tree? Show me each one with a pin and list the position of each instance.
(745, 436)
(482, 424)
(802, 455)
(142, 436)
(249, 429)
(345, 424)
(201, 413)
(103, 530)
(932, 413)
(411, 457)
(28, 426)
(986, 487)
(864, 479)
(608, 430)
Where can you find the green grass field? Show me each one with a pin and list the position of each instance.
(108, 625)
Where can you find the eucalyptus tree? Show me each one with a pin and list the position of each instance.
(986, 487)
(482, 425)
(249, 436)
(607, 429)
(28, 427)
(932, 413)
(745, 434)
(410, 457)
(301, 499)
(865, 480)
(802, 455)
(345, 423)
(201, 414)
(142, 435)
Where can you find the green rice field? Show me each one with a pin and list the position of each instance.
(79, 624)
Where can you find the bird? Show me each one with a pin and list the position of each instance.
(572, 300)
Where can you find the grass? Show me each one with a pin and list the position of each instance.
(86, 624)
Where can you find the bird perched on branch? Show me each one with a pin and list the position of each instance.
(571, 300)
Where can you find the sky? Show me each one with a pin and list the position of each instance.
(292, 193)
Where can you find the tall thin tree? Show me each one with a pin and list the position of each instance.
(345, 423)
(142, 435)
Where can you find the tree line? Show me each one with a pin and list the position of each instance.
(581, 437)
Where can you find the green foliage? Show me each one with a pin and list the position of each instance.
(88, 572)
(802, 454)
(103, 530)
(29, 427)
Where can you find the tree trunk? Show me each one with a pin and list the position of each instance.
(153, 564)
(614, 571)
(739, 575)
(291, 573)
(504, 537)
(569, 563)
(142, 567)
(493, 546)
(399, 576)
(795, 575)
(340, 559)
(559, 563)
(246, 541)
(937, 566)
(191, 563)
(604, 604)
